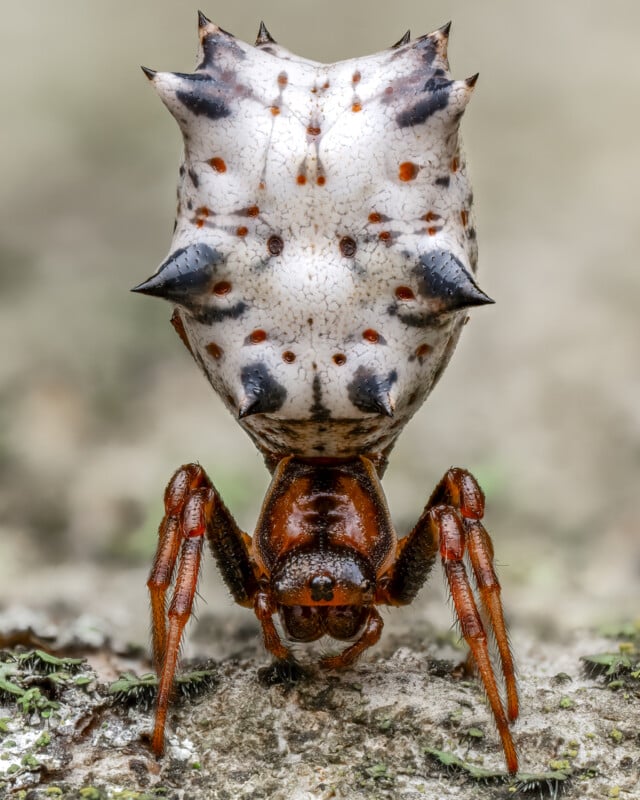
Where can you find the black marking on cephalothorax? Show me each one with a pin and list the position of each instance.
(444, 281)
(321, 588)
(263, 393)
(370, 392)
(185, 276)
(323, 486)
(319, 412)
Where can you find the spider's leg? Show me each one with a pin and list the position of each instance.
(193, 511)
(449, 524)
(480, 551)
(193, 526)
(264, 610)
(449, 529)
(460, 489)
(185, 480)
(368, 637)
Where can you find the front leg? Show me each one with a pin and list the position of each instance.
(449, 525)
(193, 511)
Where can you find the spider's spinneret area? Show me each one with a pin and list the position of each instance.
(324, 249)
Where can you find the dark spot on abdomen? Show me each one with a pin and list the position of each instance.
(203, 106)
(423, 109)
(370, 392)
(263, 393)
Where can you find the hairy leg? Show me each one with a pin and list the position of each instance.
(193, 512)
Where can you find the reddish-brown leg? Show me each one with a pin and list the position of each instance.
(193, 510)
(447, 527)
(264, 610)
(460, 489)
(449, 524)
(368, 637)
(194, 522)
(184, 481)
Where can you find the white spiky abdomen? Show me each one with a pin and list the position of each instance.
(324, 249)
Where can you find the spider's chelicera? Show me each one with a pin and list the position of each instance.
(321, 268)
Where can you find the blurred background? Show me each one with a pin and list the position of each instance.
(100, 402)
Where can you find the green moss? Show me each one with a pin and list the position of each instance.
(45, 663)
(43, 740)
(33, 700)
(377, 771)
(616, 735)
(91, 793)
(141, 690)
(523, 782)
(450, 760)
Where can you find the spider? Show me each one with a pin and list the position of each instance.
(321, 269)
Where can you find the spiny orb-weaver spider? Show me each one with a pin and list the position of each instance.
(322, 262)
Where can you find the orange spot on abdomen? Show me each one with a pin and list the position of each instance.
(214, 350)
(221, 288)
(405, 293)
(408, 171)
(218, 164)
(257, 336)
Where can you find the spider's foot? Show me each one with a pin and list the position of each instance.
(283, 672)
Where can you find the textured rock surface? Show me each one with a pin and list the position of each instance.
(381, 730)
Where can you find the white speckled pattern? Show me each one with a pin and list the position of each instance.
(324, 245)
